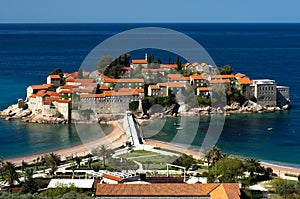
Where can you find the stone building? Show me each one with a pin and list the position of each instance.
(265, 92)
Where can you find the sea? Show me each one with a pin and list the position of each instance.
(28, 52)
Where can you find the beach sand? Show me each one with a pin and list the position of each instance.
(115, 138)
(278, 169)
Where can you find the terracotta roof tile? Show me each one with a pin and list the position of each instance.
(198, 77)
(160, 189)
(245, 80)
(217, 81)
(104, 88)
(83, 90)
(168, 66)
(153, 87)
(126, 69)
(111, 177)
(66, 87)
(204, 88)
(222, 76)
(139, 61)
(84, 80)
(172, 84)
(240, 75)
(54, 76)
(41, 87)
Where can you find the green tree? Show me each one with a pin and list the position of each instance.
(104, 152)
(227, 170)
(103, 63)
(90, 161)
(184, 160)
(226, 70)
(57, 71)
(10, 174)
(213, 155)
(78, 161)
(134, 105)
(253, 166)
(52, 160)
(179, 64)
(80, 73)
(30, 185)
(61, 189)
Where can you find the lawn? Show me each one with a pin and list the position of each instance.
(150, 160)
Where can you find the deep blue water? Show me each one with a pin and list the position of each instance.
(29, 51)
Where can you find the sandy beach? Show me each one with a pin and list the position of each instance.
(113, 139)
(117, 138)
(278, 169)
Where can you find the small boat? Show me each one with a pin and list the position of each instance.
(179, 128)
(270, 129)
(176, 124)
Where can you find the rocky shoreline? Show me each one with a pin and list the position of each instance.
(234, 108)
(13, 112)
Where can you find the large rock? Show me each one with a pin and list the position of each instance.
(286, 107)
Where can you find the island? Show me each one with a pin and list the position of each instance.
(122, 84)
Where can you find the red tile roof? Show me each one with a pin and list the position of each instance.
(222, 76)
(66, 87)
(178, 77)
(41, 87)
(83, 90)
(70, 80)
(130, 80)
(213, 190)
(139, 61)
(221, 81)
(204, 88)
(168, 66)
(85, 80)
(52, 94)
(198, 77)
(104, 88)
(111, 177)
(244, 80)
(172, 84)
(240, 75)
(153, 87)
(126, 69)
(54, 76)
(108, 80)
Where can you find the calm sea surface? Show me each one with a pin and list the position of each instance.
(29, 51)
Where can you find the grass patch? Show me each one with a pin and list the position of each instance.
(150, 160)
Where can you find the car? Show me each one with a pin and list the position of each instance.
(193, 167)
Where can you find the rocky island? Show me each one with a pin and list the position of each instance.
(149, 89)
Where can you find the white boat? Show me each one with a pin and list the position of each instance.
(270, 129)
(179, 128)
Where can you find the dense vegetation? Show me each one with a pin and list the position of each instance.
(113, 67)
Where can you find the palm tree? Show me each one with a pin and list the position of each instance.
(10, 174)
(253, 166)
(213, 155)
(52, 160)
(90, 161)
(78, 160)
(104, 152)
